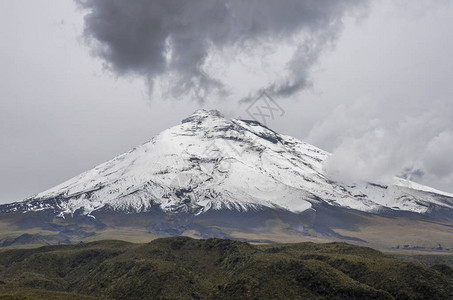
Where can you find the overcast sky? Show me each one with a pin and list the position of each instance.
(81, 82)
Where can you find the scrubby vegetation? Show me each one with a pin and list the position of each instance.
(185, 268)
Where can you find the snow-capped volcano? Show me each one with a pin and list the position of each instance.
(212, 163)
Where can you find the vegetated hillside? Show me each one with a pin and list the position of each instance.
(185, 268)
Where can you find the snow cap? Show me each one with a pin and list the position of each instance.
(201, 114)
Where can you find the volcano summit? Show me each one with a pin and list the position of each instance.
(211, 176)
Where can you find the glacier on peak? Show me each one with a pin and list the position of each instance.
(209, 162)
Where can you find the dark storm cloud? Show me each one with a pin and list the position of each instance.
(174, 38)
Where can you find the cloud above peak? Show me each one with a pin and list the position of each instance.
(171, 41)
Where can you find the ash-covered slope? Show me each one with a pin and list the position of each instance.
(211, 163)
